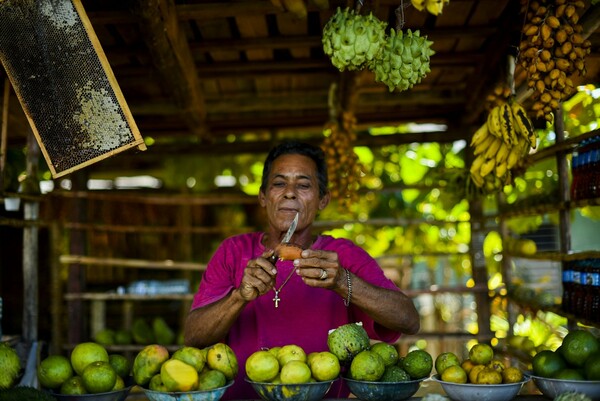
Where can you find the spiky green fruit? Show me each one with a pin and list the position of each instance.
(10, 366)
(352, 40)
(404, 60)
(347, 341)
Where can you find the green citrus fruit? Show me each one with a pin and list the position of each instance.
(119, 384)
(325, 366)
(367, 366)
(394, 374)
(295, 372)
(387, 352)
(591, 367)
(475, 370)
(262, 366)
(120, 364)
(454, 374)
(512, 374)
(547, 363)
(568, 374)
(481, 354)
(290, 352)
(85, 353)
(577, 346)
(99, 377)
(54, 371)
(489, 376)
(418, 364)
(73, 386)
(445, 360)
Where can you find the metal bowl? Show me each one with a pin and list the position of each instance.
(118, 395)
(205, 395)
(383, 391)
(481, 392)
(313, 391)
(553, 387)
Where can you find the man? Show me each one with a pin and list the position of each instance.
(251, 303)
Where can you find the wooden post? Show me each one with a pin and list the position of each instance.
(56, 293)
(4, 132)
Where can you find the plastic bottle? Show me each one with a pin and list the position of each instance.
(567, 284)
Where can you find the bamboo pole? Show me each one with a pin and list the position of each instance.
(4, 132)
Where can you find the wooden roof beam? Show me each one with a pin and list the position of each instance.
(173, 59)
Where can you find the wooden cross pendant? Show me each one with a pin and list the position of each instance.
(276, 299)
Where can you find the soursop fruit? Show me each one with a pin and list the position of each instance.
(347, 341)
(404, 60)
(10, 366)
(572, 396)
(352, 40)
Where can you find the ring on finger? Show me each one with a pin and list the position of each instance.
(323, 275)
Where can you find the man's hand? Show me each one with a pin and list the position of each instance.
(259, 277)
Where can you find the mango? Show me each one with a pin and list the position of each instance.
(192, 356)
(211, 379)
(141, 332)
(222, 358)
(163, 334)
(156, 384)
(178, 376)
(148, 362)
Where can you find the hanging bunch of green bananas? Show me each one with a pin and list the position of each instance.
(499, 144)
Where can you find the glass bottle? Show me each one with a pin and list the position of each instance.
(567, 284)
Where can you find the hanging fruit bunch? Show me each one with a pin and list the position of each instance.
(353, 42)
(404, 60)
(343, 165)
(435, 7)
(500, 95)
(499, 144)
(552, 49)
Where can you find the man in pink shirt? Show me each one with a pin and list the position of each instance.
(250, 303)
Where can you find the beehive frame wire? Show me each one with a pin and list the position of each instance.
(64, 83)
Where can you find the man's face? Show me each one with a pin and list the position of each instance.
(292, 186)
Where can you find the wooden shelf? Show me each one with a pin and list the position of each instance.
(101, 296)
(557, 256)
(132, 263)
(549, 207)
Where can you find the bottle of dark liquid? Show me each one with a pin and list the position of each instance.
(567, 284)
(594, 313)
(578, 289)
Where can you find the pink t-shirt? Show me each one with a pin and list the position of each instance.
(305, 314)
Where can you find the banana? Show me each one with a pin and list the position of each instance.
(435, 7)
(479, 135)
(296, 7)
(502, 153)
(476, 165)
(322, 4)
(493, 122)
(507, 124)
(523, 124)
(418, 4)
(513, 157)
(487, 167)
(484, 145)
(477, 179)
(501, 169)
(490, 152)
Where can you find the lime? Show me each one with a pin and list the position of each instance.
(262, 366)
(577, 346)
(489, 376)
(394, 374)
(445, 360)
(387, 352)
(54, 371)
(568, 374)
(418, 364)
(591, 367)
(73, 386)
(547, 363)
(85, 353)
(454, 374)
(367, 366)
(99, 377)
(289, 353)
(120, 364)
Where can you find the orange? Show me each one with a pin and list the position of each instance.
(295, 372)
(262, 366)
(454, 374)
(325, 366)
(474, 372)
(445, 360)
(481, 354)
(512, 375)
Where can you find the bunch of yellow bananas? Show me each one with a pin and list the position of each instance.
(435, 7)
(499, 144)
